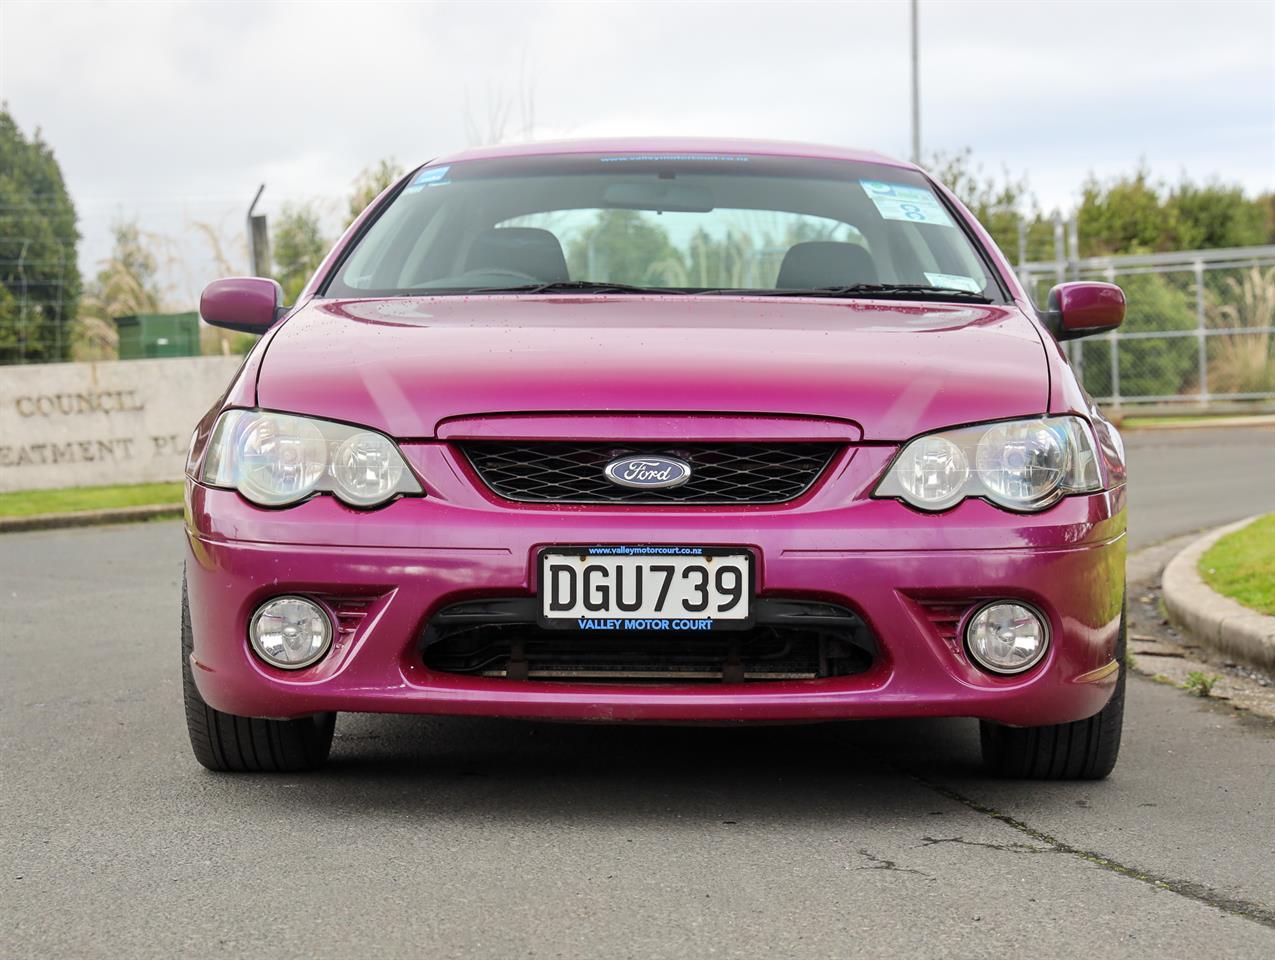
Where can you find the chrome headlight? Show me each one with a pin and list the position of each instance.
(1022, 465)
(276, 459)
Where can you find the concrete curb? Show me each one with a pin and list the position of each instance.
(89, 518)
(1213, 619)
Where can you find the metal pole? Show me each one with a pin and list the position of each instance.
(1075, 350)
(258, 239)
(916, 87)
(1199, 331)
(1060, 249)
(1115, 351)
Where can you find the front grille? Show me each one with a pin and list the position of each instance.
(721, 473)
(790, 640)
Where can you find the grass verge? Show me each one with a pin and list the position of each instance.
(26, 503)
(1242, 565)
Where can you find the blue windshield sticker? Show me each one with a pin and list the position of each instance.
(429, 177)
(898, 201)
(952, 281)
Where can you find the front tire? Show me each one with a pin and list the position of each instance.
(1083, 750)
(227, 743)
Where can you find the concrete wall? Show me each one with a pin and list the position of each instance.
(121, 421)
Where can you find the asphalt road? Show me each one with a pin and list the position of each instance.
(1184, 480)
(451, 837)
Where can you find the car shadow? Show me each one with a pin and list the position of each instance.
(503, 771)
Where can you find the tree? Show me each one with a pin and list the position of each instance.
(1214, 215)
(370, 182)
(215, 340)
(716, 263)
(621, 247)
(297, 246)
(1000, 204)
(39, 279)
(1131, 214)
(751, 252)
(127, 284)
(1266, 202)
(1124, 215)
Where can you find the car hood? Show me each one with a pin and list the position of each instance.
(404, 365)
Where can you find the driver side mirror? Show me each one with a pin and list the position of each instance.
(1084, 307)
(245, 304)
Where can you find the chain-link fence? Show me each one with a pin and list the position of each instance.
(38, 282)
(1200, 325)
(49, 313)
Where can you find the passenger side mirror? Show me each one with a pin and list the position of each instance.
(1084, 307)
(245, 304)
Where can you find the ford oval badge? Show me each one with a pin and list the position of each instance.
(648, 473)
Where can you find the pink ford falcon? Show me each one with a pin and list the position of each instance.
(658, 431)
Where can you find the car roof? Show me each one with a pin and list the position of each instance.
(666, 145)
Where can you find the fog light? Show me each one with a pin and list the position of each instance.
(290, 632)
(1007, 637)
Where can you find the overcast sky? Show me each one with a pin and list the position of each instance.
(175, 112)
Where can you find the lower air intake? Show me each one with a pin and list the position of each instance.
(791, 640)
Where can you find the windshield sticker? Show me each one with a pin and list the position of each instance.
(953, 281)
(429, 177)
(897, 201)
(674, 156)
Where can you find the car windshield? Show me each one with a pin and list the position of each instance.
(668, 223)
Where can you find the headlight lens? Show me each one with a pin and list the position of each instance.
(367, 468)
(276, 459)
(933, 471)
(1022, 465)
(281, 459)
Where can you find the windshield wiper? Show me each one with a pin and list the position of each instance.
(575, 286)
(884, 291)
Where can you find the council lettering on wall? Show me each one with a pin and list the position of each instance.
(124, 421)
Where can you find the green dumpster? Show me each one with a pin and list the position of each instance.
(158, 335)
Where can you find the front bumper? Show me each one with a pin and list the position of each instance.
(880, 559)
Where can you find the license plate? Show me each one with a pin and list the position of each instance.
(645, 588)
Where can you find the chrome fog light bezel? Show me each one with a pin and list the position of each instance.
(254, 640)
(981, 663)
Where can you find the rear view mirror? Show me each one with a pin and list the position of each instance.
(1085, 307)
(659, 195)
(246, 304)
